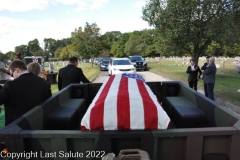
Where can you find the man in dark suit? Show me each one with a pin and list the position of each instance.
(193, 76)
(204, 67)
(23, 93)
(71, 74)
(209, 77)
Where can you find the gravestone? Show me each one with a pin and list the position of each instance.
(64, 64)
(217, 65)
(51, 67)
(42, 67)
(46, 64)
(236, 68)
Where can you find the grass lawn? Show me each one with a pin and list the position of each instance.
(227, 80)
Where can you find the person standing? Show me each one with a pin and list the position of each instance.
(204, 68)
(18, 56)
(209, 77)
(193, 76)
(71, 74)
(23, 93)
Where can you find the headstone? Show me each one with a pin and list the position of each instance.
(64, 64)
(51, 67)
(218, 65)
(236, 68)
(42, 67)
(46, 64)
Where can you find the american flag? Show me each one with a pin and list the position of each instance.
(124, 102)
(35, 60)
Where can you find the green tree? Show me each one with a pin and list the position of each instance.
(192, 25)
(9, 55)
(34, 48)
(137, 43)
(63, 42)
(102, 47)
(145, 48)
(23, 49)
(65, 54)
(58, 52)
(231, 50)
(114, 48)
(118, 47)
(50, 46)
(214, 49)
(132, 45)
(112, 36)
(156, 43)
(84, 40)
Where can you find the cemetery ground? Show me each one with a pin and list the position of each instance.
(227, 78)
(226, 86)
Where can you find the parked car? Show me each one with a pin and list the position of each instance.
(102, 59)
(138, 62)
(120, 65)
(86, 60)
(95, 61)
(104, 65)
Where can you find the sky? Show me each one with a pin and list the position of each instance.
(24, 20)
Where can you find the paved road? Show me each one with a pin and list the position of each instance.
(148, 76)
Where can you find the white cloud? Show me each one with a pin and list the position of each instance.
(139, 4)
(15, 32)
(98, 4)
(23, 5)
(18, 31)
(8, 25)
(131, 24)
(84, 4)
(67, 2)
(73, 21)
(27, 5)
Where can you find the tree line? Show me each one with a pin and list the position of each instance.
(182, 28)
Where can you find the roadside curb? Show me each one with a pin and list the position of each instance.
(94, 78)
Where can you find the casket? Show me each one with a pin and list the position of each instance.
(125, 102)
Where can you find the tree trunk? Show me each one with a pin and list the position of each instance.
(91, 59)
(200, 50)
(196, 53)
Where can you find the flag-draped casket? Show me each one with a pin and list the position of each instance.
(125, 102)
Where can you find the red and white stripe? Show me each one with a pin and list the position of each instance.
(124, 104)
